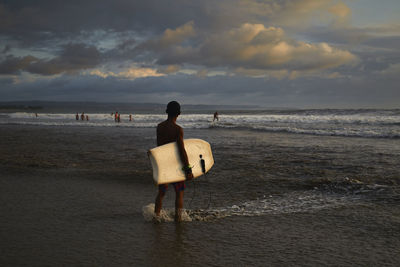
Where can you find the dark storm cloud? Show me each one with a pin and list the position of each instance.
(386, 42)
(47, 24)
(96, 88)
(28, 20)
(73, 57)
(119, 15)
(304, 92)
(13, 65)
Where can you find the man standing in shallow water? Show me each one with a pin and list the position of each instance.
(168, 131)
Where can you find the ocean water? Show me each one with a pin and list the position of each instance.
(358, 123)
(288, 188)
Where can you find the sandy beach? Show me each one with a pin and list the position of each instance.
(73, 196)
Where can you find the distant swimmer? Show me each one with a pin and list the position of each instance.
(87, 117)
(116, 117)
(83, 116)
(130, 117)
(216, 116)
(77, 116)
(119, 117)
(36, 115)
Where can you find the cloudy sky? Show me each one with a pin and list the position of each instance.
(273, 53)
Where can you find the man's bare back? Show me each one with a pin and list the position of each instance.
(167, 132)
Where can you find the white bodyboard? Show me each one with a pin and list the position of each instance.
(167, 165)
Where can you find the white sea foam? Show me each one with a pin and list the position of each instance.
(166, 215)
(308, 201)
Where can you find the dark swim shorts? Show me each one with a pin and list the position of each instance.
(179, 186)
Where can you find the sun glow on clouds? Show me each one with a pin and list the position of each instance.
(251, 47)
(340, 10)
(132, 73)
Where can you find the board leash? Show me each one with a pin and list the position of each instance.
(194, 195)
(203, 168)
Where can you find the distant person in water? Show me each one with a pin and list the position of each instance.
(116, 117)
(77, 116)
(119, 117)
(215, 116)
(87, 117)
(167, 132)
(130, 117)
(83, 116)
(36, 115)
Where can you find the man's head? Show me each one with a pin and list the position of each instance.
(173, 109)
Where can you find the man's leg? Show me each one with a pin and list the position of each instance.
(178, 205)
(159, 199)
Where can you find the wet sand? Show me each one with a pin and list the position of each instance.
(74, 196)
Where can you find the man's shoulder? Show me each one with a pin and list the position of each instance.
(169, 124)
(179, 128)
(162, 123)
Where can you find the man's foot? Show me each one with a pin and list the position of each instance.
(156, 218)
(178, 216)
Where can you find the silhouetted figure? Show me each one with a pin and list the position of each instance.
(216, 116)
(168, 131)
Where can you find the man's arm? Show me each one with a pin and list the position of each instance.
(158, 135)
(181, 148)
(183, 154)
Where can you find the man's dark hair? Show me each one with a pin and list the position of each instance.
(173, 109)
